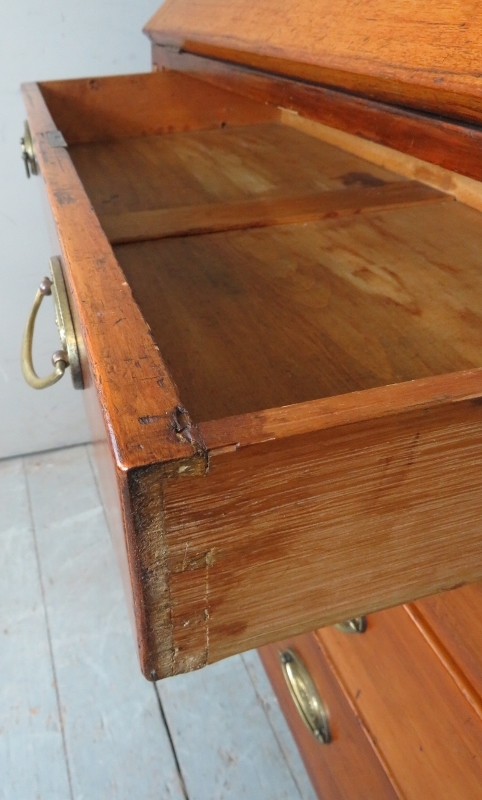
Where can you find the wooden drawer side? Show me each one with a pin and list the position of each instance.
(290, 535)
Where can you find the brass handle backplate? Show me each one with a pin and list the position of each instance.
(28, 152)
(355, 625)
(61, 359)
(305, 695)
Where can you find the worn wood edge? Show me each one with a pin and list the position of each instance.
(460, 679)
(155, 439)
(149, 562)
(447, 143)
(466, 190)
(139, 226)
(332, 412)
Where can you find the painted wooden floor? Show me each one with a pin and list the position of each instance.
(77, 720)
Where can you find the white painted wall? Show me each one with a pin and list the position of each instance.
(41, 41)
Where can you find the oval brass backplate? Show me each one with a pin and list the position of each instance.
(65, 325)
(305, 696)
(355, 625)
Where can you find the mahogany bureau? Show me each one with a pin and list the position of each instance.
(268, 287)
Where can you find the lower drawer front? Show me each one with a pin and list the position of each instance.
(347, 767)
(428, 736)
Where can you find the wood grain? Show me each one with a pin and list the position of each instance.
(260, 161)
(118, 355)
(128, 373)
(404, 53)
(282, 537)
(452, 626)
(463, 188)
(283, 315)
(449, 144)
(120, 106)
(139, 226)
(327, 764)
(405, 697)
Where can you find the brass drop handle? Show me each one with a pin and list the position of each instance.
(305, 696)
(69, 354)
(60, 358)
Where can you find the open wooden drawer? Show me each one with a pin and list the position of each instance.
(281, 347)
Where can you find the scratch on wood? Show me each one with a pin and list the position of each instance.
(184, 560)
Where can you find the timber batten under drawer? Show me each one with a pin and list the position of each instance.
(281, 345)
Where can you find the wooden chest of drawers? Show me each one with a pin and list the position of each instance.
(271, 251)
(271, 376)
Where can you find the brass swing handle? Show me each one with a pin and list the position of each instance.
(61, 359)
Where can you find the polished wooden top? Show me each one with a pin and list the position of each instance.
(400, 51)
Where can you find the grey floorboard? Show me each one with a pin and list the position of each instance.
(279, 726)
(77, 720)
(223, 739)
(117, 745)
(32, 757)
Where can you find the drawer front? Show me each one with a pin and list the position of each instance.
(421, 725)
(452, 624)
(347, 768)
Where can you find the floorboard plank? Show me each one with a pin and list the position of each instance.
(32, 758)
(224, 742)
(70, 660)
(116, 741)
(279, 726)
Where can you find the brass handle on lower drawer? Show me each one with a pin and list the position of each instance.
(305, 696)
(354, 625)
(69, 355)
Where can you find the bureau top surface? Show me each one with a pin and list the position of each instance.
(401, 51)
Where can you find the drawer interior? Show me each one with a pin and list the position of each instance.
(274, 268)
